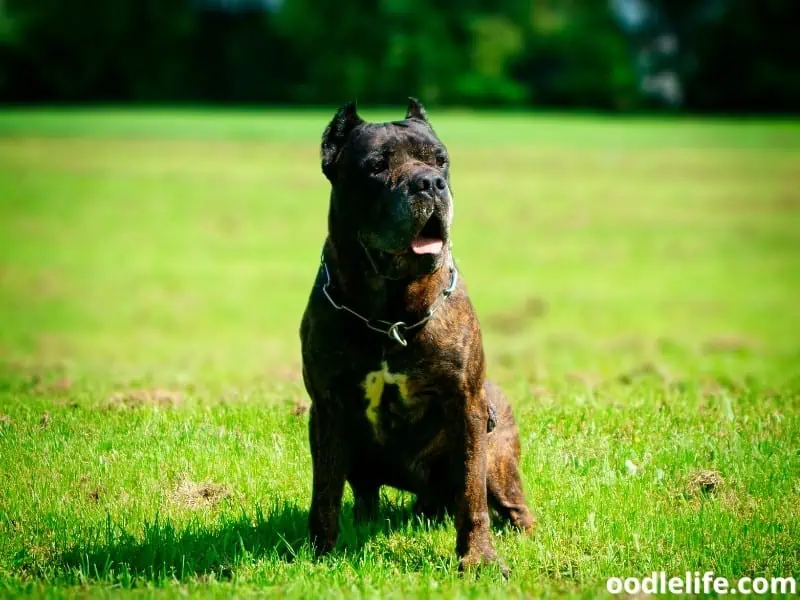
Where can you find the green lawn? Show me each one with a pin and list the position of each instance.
(638, 282)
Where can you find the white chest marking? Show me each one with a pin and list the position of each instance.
(374, 384)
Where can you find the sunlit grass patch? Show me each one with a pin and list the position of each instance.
(637, 282)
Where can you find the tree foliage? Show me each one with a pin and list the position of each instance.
(733, 54)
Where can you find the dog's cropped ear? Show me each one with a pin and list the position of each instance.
(416, 110)
(344, 121)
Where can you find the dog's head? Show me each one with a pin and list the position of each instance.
(391, 190)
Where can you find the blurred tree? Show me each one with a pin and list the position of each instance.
(744, 57)
(242, 56)
(614, 55)
(377, 51)
(95, 50)
(495, 42)
(575, 56)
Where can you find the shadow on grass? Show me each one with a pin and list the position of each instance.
(166, 552)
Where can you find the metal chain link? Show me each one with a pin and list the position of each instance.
(394, 330)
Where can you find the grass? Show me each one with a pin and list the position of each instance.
(638, 284)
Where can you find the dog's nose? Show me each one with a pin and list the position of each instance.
(425, 182)
(421, 183)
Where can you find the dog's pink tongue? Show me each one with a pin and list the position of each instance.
(423, 245)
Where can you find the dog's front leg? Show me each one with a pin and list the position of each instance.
(329, 457)
(473, 541)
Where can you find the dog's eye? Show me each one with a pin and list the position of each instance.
(441, 160)
(378, 165)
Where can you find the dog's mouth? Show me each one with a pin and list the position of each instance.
(430, 239)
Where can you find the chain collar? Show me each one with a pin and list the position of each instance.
(396, 330)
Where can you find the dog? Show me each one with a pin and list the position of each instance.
(392, 353)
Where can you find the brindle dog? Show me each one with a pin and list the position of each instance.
(392, 352)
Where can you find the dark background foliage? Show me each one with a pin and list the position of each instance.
(701, 55)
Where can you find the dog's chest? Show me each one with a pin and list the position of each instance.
(392, 402)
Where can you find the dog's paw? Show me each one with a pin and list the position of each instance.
(524, 521)
(479, 559)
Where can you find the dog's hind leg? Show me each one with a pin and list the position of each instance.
(432, 508)
(503, 479)
(505, 495)
(366, 497)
